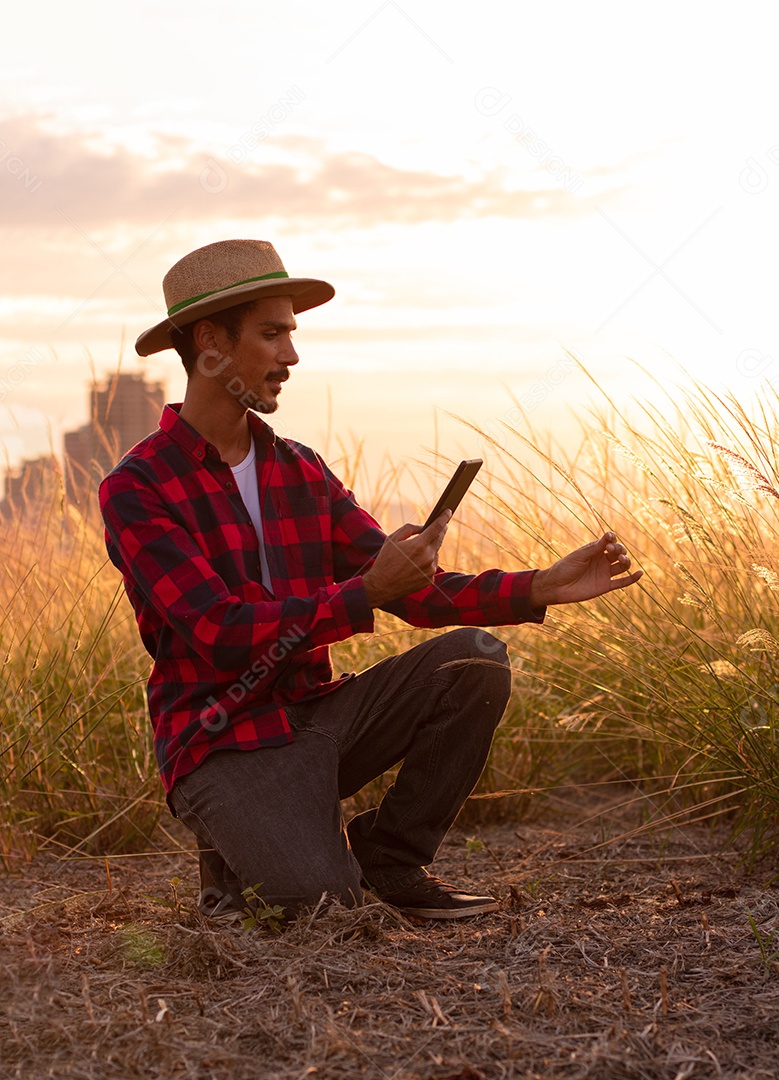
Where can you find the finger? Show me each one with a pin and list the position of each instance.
(623, 582)
(405, 531)
(615, 550)
(610, 546)
(438, 526)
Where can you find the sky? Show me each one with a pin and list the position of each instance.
(490, 189)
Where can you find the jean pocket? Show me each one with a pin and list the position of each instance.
(296, 716)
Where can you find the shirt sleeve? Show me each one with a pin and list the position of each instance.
(492, 598)
(166, 565)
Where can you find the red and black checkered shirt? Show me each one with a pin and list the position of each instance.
(228, 654)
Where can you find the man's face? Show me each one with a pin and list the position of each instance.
(253, 368)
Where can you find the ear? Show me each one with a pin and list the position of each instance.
(204, 336)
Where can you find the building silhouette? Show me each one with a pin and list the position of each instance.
(123, 410)
(32, 484)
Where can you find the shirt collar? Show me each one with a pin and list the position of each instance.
(194, 443)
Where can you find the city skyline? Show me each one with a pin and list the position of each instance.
(123, 410)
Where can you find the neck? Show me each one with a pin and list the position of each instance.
(221, 420)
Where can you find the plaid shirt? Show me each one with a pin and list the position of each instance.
(228, 654)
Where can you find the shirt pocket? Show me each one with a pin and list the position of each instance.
(307, 537)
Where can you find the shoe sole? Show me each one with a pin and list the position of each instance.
(225, 918)
(449, 913)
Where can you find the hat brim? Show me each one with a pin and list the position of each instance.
(305, 292)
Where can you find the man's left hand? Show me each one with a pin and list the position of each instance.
(590, 571)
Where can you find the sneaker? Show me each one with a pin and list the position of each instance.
(432, 898)
(215, 901)
(218, 908)
(222, 913)
(229, 917)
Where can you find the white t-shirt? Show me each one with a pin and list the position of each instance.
(246, 478)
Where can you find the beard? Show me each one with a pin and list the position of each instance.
(251, 397)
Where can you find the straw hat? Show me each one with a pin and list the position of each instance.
(221, 275)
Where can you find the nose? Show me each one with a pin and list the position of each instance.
(290, 357)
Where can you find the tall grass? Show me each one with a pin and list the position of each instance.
(675, 679)
(671, 685)
(75, 755)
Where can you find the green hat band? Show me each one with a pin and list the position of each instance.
(215, 292)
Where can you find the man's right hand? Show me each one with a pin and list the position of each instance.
(407, 561)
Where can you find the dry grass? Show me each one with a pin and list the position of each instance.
(623, 949)
(678, 677)
(75, 752)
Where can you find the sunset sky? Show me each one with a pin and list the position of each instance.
(485, 185)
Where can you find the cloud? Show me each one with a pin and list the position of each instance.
(50, 178)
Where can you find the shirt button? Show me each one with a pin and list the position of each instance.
(229, 484)
(198, 453)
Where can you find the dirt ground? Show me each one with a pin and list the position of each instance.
(623, 949)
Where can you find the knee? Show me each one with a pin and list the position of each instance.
(480, 663)
(318, 894)
(480, 648)
(473, 642)
(320, 882)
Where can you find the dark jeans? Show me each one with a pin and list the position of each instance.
(273, 817)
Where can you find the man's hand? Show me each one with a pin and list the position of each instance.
(407, 561)
(588, 572)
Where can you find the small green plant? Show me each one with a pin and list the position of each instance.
(258, 913)
(769, 957)
(141, 946)
(174, 903)
(472, 847)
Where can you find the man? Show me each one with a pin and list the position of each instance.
(244, 558)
